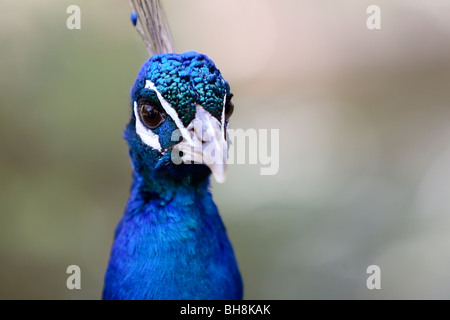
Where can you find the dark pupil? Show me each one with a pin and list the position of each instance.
(229, 107)
(150, 116)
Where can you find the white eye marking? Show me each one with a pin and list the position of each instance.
(147, 136)
(222, 120)
(170, 111)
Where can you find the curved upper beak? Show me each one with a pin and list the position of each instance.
(204, 142)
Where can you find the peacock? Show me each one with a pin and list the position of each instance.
(171, 243)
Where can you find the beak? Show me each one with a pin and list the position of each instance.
(204, 142)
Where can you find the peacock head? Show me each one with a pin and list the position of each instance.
(180, 110)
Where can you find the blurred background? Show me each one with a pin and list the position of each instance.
(364, 120)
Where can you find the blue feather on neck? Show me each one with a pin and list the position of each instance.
(172, 247)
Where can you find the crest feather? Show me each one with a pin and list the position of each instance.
(151, 23)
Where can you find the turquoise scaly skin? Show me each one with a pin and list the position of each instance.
(171, 242)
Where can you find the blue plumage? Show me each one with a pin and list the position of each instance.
(134, 18)
(171, 242)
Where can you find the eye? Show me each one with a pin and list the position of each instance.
(151, 115)
(229, 106)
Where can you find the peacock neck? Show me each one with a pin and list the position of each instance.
(157, 192)
(171, 242)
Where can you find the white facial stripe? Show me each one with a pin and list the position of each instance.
(223, 115)
(170, 111)
(147, 136)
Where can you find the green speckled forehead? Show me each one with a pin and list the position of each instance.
(184, 80)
